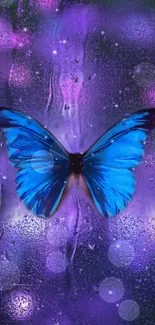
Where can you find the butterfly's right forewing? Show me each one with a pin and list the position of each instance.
(108, 165)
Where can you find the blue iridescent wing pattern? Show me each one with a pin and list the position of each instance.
(41, 161)
(108, 165)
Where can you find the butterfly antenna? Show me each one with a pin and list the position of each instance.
(71, 264)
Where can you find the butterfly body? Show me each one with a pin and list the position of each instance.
(46, 172)
(75, 163)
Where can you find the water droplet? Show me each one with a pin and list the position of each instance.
(67, 107)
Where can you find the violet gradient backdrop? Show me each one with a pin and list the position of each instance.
(78, 67)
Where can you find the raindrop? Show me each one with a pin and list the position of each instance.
(67, 107)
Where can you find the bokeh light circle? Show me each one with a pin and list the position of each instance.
(129, 310)
(111, 289)
(45, 5)
(6, 3)
(57, 235)
(137, 29)
(20, 75)
(42, 161)
(148, 96)
(144, 74)
(6, 35)
(57, 262)
(21, 305)
(9, 274)
(121, 253)
(22, 38)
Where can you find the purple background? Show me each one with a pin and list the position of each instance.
(78, 67)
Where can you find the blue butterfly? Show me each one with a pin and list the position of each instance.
(45, 168)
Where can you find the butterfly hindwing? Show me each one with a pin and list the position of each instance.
(42, 163)
(108, 165)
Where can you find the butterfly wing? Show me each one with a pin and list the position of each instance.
(41, 161)
(108, 165)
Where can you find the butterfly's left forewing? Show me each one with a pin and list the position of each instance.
(41, 161)
(108, 165)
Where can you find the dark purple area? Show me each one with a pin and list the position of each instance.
(78, 67)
